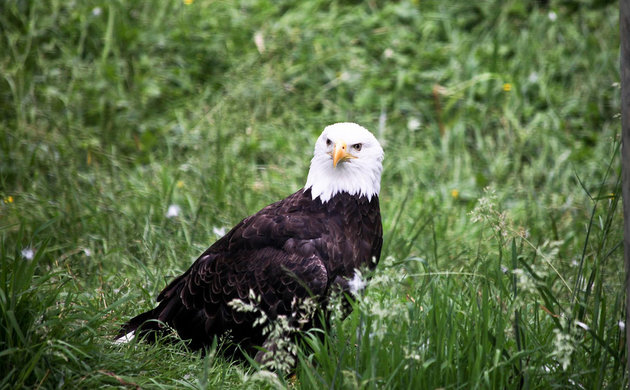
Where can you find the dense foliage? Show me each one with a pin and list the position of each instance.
(502, 264)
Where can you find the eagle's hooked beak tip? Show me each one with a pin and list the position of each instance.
(340, 153)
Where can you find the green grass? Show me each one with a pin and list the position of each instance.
(502, 263)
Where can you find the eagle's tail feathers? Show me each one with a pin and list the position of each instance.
(144, 325)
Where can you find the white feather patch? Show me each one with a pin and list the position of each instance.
(126, 338)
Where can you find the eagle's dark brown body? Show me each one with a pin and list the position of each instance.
(295, 248)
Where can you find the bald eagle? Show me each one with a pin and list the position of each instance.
(306, 245)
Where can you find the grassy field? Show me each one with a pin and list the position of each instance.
(502, 264)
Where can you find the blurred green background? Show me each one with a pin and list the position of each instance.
(502, 264)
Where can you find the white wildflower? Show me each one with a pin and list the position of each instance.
(582, 325)
(575, 385)
(173, 211)
(622, 325)
(549, 249)
(334, 306)
(413, 356)
(414, 352)
(283, 356)
(388, 261)
(552, 16)
(345, 76)
(246, 307)
(413, 123)
(388, 53)
(186, 167)
(487, 211)
(356, 284)
(96, 11)
(282, 351)
(28, 253)
(87, 252)
(523, 233)
(524, 281)
(219, 231)
(267, 377)
(533, 77)
(563, 348)
(303, 310)
(259, 40)
(378, 308)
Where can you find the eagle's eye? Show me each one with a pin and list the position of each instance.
(357, 147)
(328, 142)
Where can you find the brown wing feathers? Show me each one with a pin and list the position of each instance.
(293, 248)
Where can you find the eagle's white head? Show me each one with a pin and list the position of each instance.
(347, 158)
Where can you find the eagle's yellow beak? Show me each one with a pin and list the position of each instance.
(340, 153)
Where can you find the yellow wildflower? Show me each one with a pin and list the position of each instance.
(455, 193)
(189, 2)
(507, 87)
(8, 199)
(180, 184)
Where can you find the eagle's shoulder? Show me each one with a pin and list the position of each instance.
(275, 252)
(297, 217)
